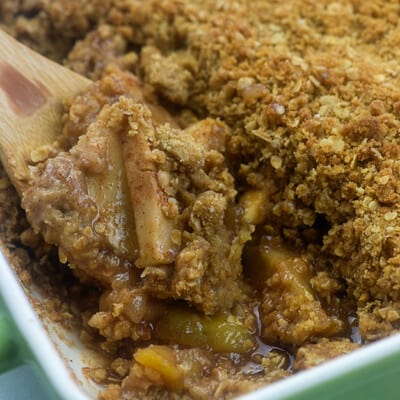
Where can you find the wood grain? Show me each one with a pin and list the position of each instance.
(32, 92)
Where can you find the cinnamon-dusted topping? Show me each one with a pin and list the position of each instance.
(282, 132)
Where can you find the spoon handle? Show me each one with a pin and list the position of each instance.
(32, 92)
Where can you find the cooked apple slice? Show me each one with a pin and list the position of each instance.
(290, 310)
(153, 228)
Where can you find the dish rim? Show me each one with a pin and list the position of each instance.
(62, 381)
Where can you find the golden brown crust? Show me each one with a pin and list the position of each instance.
(307, 96)
(310, 355)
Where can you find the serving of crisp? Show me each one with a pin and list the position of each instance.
(226, 192)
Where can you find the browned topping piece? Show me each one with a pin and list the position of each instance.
(313, 354)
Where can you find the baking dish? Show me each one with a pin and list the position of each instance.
(368, 373)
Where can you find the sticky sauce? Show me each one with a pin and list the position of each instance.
(24, 96)
(253, 365)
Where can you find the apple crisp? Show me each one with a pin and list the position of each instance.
(228, 184)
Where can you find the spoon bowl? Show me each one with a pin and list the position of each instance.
(33, 90)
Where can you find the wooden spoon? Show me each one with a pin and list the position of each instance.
(32, 92)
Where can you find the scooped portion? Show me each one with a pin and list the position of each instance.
(137, 195)
(149, 211)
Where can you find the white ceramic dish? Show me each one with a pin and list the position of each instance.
(62, 363)
(51, 354)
